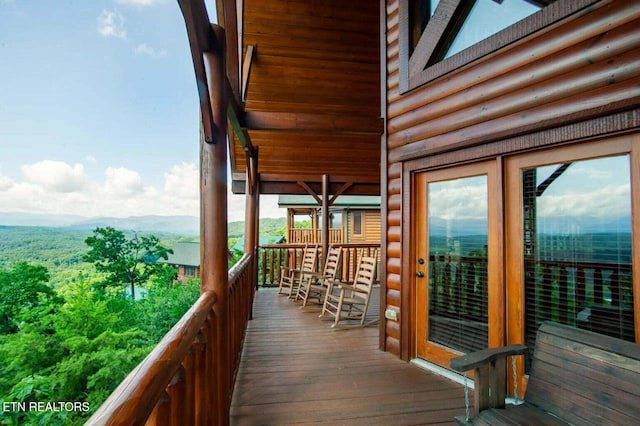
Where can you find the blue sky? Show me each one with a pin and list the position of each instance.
(99, 110)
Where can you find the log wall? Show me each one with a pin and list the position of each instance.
(574, 80)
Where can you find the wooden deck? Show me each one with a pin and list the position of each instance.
(295, 369)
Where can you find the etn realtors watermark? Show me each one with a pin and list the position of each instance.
(41, 407)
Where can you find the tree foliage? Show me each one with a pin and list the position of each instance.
(24, 288)
(77, 341)
(126, 261)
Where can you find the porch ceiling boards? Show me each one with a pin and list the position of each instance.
(295, 369)
(310, 81)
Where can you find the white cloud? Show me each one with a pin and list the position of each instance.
(111, 24)
(54, 187)
(5, 183)
(459, 199)
(183, 181)
(609, 200)
(56, 176)
(145, 49)
(122, 183)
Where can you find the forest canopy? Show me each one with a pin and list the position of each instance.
(75, 341)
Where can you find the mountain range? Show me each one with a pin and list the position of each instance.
(173, 224)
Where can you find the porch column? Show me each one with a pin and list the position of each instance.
(325, 217)
(251, 219)
(213, 221)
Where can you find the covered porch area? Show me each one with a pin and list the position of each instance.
(295, 369)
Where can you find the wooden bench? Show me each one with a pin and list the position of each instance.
(577, 377)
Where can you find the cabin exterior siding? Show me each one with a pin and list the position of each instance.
(570, 82)
(370, 227)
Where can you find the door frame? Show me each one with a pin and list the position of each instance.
(419, 249)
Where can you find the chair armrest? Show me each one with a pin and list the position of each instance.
(489, 367)
(479, 358)
(350, 287)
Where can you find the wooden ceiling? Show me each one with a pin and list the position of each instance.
(311, 83)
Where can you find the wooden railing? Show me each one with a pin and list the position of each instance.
(176, 384)
(313, 236)
(274, 257)
(603, 288)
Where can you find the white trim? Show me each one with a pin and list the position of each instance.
(441, 371)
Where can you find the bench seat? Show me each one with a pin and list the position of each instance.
(577, 377)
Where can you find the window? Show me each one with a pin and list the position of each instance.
(437, 37)
(459, 284)
(357, 222)
(189, 271)
(570, 251)
(458, 242)
(577, 246)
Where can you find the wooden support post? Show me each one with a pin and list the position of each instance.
(325, 217)
(256, 218)
(213, 232)
(251, 221)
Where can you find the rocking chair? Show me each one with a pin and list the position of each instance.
(314, 287)
(291, 277)
(345, 301)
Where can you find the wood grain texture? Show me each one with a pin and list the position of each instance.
(313, 100)
(296, 369)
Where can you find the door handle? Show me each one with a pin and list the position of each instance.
(420, 274)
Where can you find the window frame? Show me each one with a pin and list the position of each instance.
(413, 69)
(514, 259)
(360, 214)
(420, 180)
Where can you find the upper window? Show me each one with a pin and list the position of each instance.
(438, 36)
(357, 223)
(499, 14)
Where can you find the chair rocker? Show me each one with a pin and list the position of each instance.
(313, 288)
(291, 277)
(349, 302)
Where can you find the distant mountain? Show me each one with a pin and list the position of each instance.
(173, 224)
(183, 225)
(35, 219)
(551, 225)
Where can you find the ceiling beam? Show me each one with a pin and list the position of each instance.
(228, 19)
(344, 187)
(246, 70)
(310, 191)
(339, 123)
(235, 114)
(201, 39)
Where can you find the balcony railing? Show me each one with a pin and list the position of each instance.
(313, 236)
(273, 258)
(177, 383)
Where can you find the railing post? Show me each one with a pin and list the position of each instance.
(213, 217)
(160, 414)
(203, 384)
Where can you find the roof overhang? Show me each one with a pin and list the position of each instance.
(305, 91)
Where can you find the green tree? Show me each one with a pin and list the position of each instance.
(126, 261)
(80, 352)
(24, 288)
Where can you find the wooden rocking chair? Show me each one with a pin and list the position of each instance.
(350, 301)
(314, 287)
(291, 277)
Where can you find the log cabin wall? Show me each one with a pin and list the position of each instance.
(369, 227)
(572, 78)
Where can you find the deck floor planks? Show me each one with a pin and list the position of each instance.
(296, 369)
